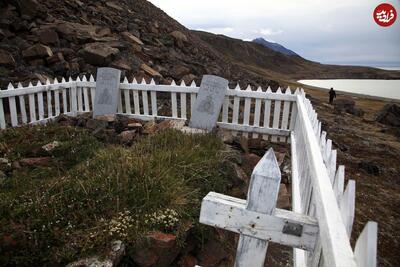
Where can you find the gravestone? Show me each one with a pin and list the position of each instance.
(107, 89)
(209, 102)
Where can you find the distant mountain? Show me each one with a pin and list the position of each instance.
(274, 46)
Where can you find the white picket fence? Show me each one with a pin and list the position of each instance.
(318, 186)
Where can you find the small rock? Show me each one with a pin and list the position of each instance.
(212, 254)
(135, 125)
(187, 261)
(348, 106)
(369, 167)
(114, 6)
(93, 124)
(226, 136)
(6, 59)
(50, 146)
(150, 71)
(4, 161)
(37, 51)
(165, 246)
(121, 64)
(180, 38)
(107, 117)
(126, 137)
(48, 36)
(178, 72)
(170, 124)
(145, 258)
(39, 161)
(99, 54)
(131, 38)
(249, 162)
(15, 165)
(389, 115)
(283, 198)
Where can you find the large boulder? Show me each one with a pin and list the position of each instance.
(347, 106)
(180, 38)
(99, 54)
(6, 59)
(48, 36)
(37, 51)
(389, 115)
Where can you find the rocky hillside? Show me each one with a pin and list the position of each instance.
(47, 39)
(269, 63)
(41, 39)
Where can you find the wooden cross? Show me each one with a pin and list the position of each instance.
(257, 220)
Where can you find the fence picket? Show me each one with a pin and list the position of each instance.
(153, 99)
(145, 101)
(366, 246)
(22, 106)
(267, 112)
(73, 98)
(277, 113)
(79, 94)
(347, 206)
(49, 101)
(2, 118)
(92, 91)
(225, 109)
(246, 115)
(86, 105)
(40, 103)
(285, 115)
(32, 106)
(257, 112)
(13, 107)
(338, 184)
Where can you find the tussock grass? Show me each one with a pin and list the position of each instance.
(106, 193)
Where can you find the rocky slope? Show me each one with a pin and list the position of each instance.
(41, 39)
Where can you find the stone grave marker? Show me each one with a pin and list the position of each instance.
(209, 102)
(107, 88)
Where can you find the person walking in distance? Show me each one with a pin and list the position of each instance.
(332, 95)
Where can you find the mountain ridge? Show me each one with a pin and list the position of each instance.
(274, 46)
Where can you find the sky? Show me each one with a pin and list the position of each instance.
(337, 32)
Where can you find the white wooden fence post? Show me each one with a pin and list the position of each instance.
(366, 246)
(261, 198)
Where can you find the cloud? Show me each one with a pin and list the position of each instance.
(325, 31)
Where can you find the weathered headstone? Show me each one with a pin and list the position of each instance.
(107, 86)
(209, 102)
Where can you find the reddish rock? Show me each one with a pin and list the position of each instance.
(126, 137)
(283, 198)
(212, 254)
(98, 54)
(37, 51)
(150, 71)
(48, 36)
(170, 124)
(145, 258)
(249, 162)
(187, 261)
(57, 57)
(121, 64)
(179, 37)
(178, 72)
(131, 38)
(6, 59)
(40, 161)
(165, 246)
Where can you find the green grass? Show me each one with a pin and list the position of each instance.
(94, 193)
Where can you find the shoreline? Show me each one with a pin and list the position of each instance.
(370, 97)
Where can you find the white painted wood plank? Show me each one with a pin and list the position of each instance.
(127, 102)
(332, 165)
(257, 111)
(32, 108)
(230, 214)
(277, 113)
(22, 106)
(347, 206)
(246, 114)
(253, 129)
(333, 235)
(13, 107)
(49, 104)
(136, 102)
(120, 108)
(174, 105)
(73, 99)
(235, 115)
(57, 102)
(285, 115)
(79, 95)
(2, 118)
(183, 106)
(92, 91)
(338, 185)
(267, 113)
(299, 256)
(154, 108)
(86, 101)
(145, 101)
(261, 198)
(64, 98)
(40, 105)
(366, 246)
